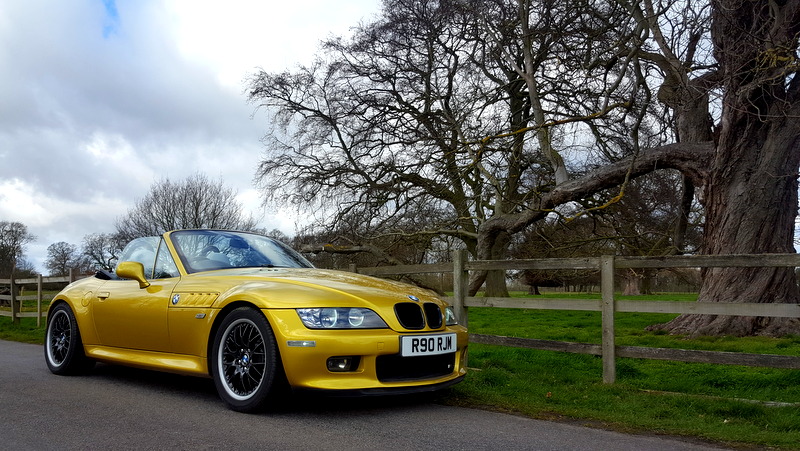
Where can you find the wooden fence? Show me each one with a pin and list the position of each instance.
(16, 300)
(609, 306)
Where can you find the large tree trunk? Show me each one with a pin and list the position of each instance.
(494, 247)
(751, 193)
(631, 284)
(751, 204)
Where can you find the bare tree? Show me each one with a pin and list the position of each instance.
(13, 238)
(479, 114)
(195, 202)
(750, 186)
(377, 131)
(101, 250)
(748, 174)
(25, 269)
(276, 234)
(61, 258)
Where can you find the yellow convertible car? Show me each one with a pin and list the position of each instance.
(251, 313)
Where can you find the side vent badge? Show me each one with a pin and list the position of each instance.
(175, 298)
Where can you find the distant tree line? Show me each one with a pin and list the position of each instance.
(14, 237)
(195, 202)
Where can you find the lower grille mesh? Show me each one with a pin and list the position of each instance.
(392, 368)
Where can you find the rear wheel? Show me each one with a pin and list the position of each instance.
(63, 348)
(244, 360)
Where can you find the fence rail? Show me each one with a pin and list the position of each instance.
(609, 306)
(15, 301)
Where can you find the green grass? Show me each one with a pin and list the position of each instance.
(26, 331)
(734, 405)
(584, 327)
(695, 400)
(721, 403)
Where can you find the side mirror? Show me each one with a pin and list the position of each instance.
(133, 271)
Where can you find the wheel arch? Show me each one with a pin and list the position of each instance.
(274, 372)
(82, 316)
(54, 303)
(64, 351)
(220, 317)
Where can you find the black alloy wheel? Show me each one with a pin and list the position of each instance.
(63, 348)
(244, 360)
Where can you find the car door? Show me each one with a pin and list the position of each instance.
(127, 316)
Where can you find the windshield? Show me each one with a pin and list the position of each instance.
(206, 250)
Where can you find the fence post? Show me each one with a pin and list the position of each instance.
(39, 292)
(14, 306)
(607, 309)
(460, 286)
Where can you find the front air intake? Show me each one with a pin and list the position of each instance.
(433, 315)
(410, 315)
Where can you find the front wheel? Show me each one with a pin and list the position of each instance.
(244, 360)
(63, 348)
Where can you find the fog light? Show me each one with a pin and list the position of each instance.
(342, 364)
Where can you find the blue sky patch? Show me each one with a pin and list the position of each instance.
(111, 24)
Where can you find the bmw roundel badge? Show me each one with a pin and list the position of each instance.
(413, 298)
(175, 298)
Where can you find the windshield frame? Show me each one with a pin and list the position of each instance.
(202, 250)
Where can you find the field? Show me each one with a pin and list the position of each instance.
(734, 405)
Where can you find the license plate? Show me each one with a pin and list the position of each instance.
(418, 345)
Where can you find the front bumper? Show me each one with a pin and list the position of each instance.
(381, 370)
(383, 391)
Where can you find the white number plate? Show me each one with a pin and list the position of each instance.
(427, 345)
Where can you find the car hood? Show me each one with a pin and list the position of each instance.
(293, 285)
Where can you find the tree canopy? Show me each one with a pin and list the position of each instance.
(13, 238)
(475, 120)
(195, 202)
(63, 257)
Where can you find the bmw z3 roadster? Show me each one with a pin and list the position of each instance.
(250, 312)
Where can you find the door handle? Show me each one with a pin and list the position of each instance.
(103, 295)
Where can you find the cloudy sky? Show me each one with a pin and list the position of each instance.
(99, 99)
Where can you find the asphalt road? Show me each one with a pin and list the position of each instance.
(119, 408)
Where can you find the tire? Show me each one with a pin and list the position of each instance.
(63, 348)
(244, 360)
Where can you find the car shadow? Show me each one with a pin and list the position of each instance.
(317, 403)
(284, 401)
(161, 381)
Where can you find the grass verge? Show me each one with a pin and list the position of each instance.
(728, 404)
(732, 405)
(26, 331)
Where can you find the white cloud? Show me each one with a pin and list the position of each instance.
(272, 35)
(52, 219)
(107, 98)
(20, 203)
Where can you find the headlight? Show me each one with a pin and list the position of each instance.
(340, 318)
(450, 316)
